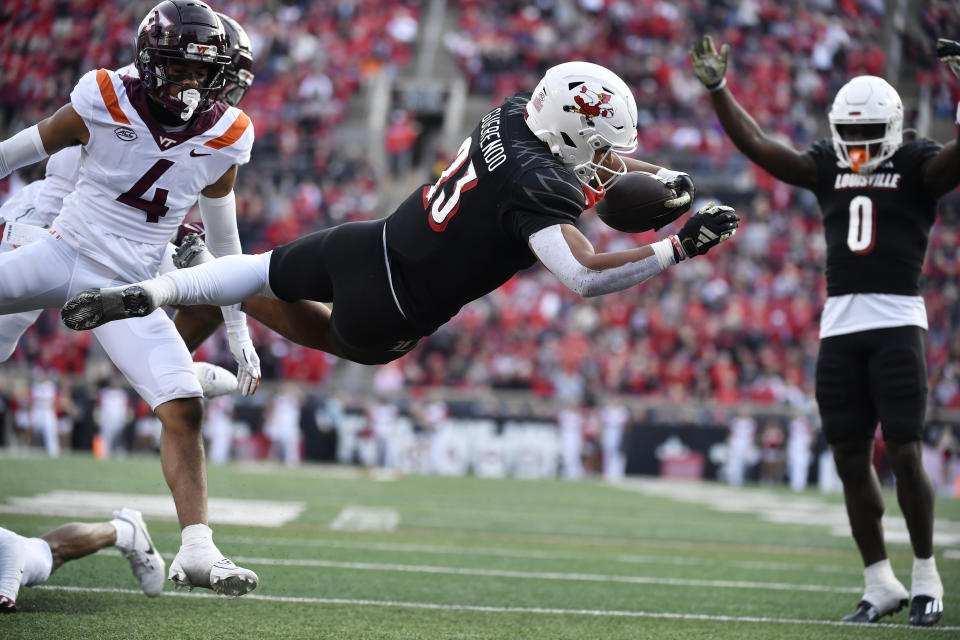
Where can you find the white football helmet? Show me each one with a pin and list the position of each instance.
(578, 108)
(867, 100)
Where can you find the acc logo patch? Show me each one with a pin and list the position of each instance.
(125, 134)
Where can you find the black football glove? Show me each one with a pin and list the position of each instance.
(682, 184)
(949, 51)
(706, 229)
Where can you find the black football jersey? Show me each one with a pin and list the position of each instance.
(462, 237)
(877, 224)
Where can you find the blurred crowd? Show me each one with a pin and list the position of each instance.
(739, 326)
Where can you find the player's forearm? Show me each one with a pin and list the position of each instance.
(21, 150)
(781, 160)
(740, 127)
(942, 174)
(223, 238)
(592, 275)
(639, 165)
(219, 217)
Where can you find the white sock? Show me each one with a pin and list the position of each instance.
(882, 587)
(162, 291)
(196, 535)
(224, 281)
(124, 533)
(925, 580)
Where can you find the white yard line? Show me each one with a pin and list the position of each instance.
(531, 575)
(545, 575)
(599, 613)
(532, 554)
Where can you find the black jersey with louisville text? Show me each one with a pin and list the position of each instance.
(457, 240)
(877, 225)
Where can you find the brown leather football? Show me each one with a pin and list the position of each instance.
(635, 203)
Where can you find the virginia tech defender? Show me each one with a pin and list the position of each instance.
(151, 146)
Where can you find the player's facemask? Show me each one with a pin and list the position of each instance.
(861, 142)
(603, 171)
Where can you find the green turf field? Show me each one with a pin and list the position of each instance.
(468, 558)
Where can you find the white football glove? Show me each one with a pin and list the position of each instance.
(248, 362)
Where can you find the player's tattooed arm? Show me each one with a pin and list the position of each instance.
(779, 159)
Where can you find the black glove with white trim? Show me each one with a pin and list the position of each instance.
(682, 184)
(949, 52)
(705, 229)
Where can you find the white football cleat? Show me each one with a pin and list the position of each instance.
(215, 381)
(206, 567)
(145, 561)
(13, 555)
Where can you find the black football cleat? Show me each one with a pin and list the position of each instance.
(91, 308)
(925, 611)
(866, 612)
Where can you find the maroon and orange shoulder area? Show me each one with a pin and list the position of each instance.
(109, 95)
(232, 134)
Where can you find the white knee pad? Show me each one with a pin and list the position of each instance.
(39, 562)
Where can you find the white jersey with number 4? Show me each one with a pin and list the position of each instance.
(138, 179)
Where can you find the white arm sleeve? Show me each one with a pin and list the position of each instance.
(219, 217)
(553, 251)
(21, 150)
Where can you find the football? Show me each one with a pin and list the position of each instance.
(635, 203)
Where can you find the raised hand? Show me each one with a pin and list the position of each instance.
(709, 65)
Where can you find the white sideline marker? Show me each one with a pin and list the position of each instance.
(354, 518)
(599, 613)
(96, 504)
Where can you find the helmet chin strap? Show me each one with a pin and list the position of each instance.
(191, 99)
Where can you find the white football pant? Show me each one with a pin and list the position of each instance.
(148, 351)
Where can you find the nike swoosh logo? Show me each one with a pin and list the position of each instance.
(194, 154)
